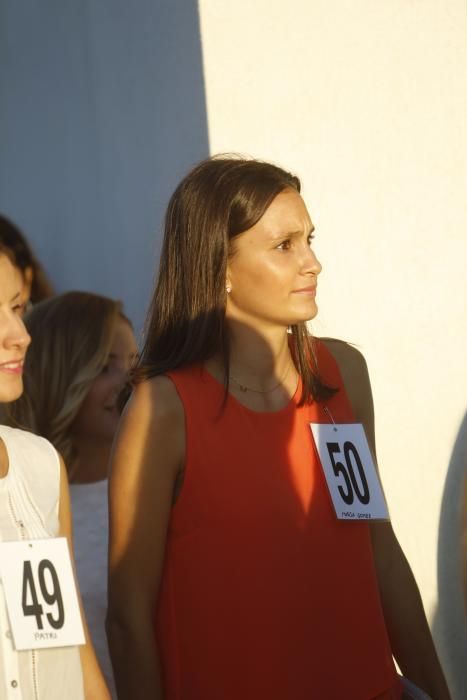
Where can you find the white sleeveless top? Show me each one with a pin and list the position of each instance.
(29, 502)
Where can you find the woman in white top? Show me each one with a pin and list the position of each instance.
(34, 504)
(82, 349)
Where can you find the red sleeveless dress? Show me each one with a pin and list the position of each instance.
(265, 595)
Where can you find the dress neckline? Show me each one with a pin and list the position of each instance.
(291, 403)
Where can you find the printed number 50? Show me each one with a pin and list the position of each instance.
(50, 597)
(348, 473)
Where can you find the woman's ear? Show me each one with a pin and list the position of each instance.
(228, 283)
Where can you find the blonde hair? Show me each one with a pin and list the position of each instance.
(71, 340)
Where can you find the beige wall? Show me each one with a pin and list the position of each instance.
(367, 101)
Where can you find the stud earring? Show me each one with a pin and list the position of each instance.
(228, 288)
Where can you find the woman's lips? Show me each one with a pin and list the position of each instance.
(308, 291)
(12, 367)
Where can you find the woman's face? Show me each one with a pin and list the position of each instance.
(273, 270)
(98, 415)
(14, 339)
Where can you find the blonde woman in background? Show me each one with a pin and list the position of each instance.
(83, 348)
(34, 505)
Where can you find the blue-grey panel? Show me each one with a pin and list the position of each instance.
(102, 109)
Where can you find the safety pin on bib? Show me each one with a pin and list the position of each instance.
(326, 410)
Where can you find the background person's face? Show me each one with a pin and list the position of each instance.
(14, 339)
(98, 416)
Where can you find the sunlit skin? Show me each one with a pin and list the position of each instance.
(14, 338)
(273, 270)
(98, 417)
(272, 276)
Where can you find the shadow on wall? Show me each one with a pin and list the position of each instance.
(102, 112)
(450, 622)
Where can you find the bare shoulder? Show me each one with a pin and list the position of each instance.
(354, 372)
(156, 399)
(347, 356)
(147, 459)
(352, 366)
(153, 426)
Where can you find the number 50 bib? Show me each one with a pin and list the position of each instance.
(40, 593)
(350, 471)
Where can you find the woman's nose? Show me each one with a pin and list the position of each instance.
(312, 264)
(18, 335)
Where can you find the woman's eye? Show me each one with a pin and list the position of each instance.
(105, 369)
(311, 238)
(18, 309)
(285, 245)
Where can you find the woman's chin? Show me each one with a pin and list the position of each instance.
(309, 316)
(11, 393)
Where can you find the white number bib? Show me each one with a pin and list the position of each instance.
(40, 593)
(350, 471)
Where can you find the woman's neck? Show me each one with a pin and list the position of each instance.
(262, 358)
(91, 462)
(262, 374)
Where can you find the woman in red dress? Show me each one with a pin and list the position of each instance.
(230, 576)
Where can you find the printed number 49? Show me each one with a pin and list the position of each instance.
(348, 474)
(50, 597)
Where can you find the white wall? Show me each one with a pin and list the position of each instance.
(367, 102)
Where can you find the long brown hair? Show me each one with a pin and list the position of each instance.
(218, 200)
(71, 339)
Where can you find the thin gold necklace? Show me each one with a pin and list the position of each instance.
(244, 387)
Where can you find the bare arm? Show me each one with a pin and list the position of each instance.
(147, 459)
(95, 687)
(407, 626)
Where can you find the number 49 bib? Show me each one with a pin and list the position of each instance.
(40, 593)
(350, 471)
